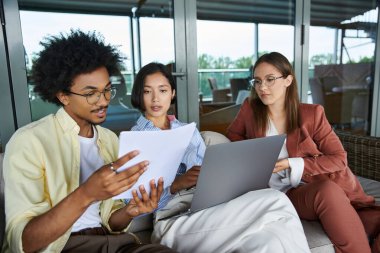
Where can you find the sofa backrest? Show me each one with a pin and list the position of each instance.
(363, 154)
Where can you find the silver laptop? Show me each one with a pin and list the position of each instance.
(232, 169)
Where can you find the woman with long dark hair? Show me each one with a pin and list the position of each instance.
(312, 167)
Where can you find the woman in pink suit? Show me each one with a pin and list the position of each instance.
(312, 167)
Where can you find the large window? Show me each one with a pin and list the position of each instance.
(157, 40)
(279, 38)
(225, 50)
(231, 35)
(151, 39)
(341, 63)
(114, 29)
(36, 25)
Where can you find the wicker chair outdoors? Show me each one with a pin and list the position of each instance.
(338, 105)
(238, 84)
(219, 95)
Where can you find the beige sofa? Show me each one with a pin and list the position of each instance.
(317, 239)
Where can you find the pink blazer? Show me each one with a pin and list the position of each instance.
(316, 143)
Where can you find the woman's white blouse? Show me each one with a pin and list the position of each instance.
(289, 178)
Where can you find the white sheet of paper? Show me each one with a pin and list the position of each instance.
(163, 149)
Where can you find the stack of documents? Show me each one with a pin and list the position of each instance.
(163, 149)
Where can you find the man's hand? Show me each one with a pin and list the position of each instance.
(122, 217)
(106, 182)
(146, 204)
(282, 164)
(187, 180)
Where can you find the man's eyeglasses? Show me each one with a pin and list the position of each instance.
(93, 96)
(269, 81)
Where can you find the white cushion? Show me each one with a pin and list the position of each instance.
(371, 187)
(316, 237)
(212, 138)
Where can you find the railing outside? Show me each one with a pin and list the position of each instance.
(222, 77)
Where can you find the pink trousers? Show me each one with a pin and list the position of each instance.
(347, 228)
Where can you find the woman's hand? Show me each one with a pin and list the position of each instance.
(282, 164)
(146, 204)
(187, 180)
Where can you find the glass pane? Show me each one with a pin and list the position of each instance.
(156, 36)
(341, 60)
(231, 35)
(157, 33)
(221, 62)
(270, 36)
(115, 30)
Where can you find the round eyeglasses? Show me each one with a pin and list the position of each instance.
(93, 96)
(268, 81)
